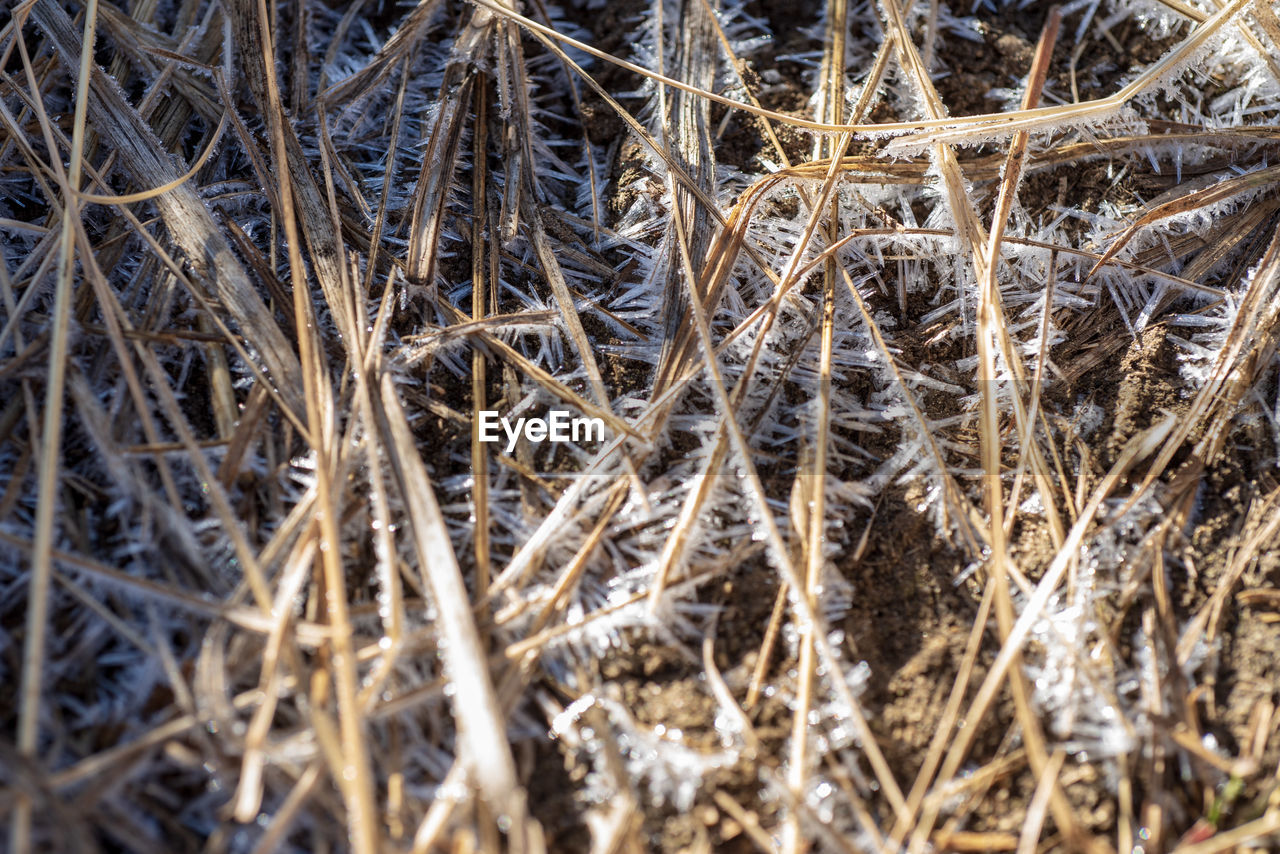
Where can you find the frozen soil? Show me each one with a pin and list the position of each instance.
(1186, 618)
(914, 604)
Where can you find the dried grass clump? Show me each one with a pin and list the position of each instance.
(264, 589)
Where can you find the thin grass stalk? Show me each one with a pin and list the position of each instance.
(483, 749)
(1137, 448)
(778, 553)
(481, 257)
(355, 779)
(832, 94)
(33, 650)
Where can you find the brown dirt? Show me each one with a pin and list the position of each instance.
(910, 620)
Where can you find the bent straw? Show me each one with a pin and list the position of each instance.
(928, 131)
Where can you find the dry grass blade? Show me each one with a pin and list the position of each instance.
(1193, 201)
(352, 771)
(887, 460)
(33, 653)
(479, 718)
(1138, 448)
(197, 236)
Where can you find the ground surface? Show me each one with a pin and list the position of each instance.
(260, 589)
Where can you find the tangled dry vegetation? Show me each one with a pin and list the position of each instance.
(935, 346)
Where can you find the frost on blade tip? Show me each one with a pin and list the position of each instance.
(670, 772)
(1099, 120)
(1072, 683)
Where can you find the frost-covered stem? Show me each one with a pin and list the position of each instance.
(1014, 163)
(777, 551)
(1140, 446)
(483, 747)
(391, 592)
(51, 446)
(481, 253)
(355, 778)
(832, 94)
(685, 128)
(989, 326)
